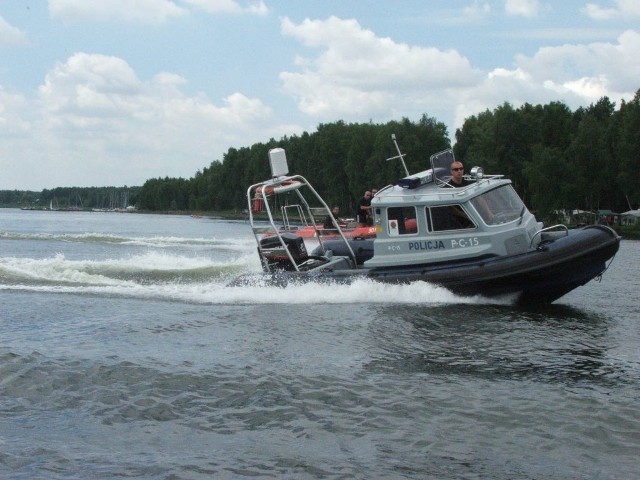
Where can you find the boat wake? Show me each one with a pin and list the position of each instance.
(152, 242)
(151, 268)
(167, 276)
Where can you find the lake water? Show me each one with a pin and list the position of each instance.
(124, 354)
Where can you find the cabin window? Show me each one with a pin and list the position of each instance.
(447, 217)
(500, 205)
(402, 221)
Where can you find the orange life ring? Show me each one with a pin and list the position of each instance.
(281, 187)
(268, 190)
(287, 186)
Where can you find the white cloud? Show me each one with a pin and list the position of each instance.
(99, 89)
(98, 119)
(18, 150)
(358, 74)
(138, 11)
(553, 35)
(257, 8)
(229, 6)
(146, 11)
(590, 87)
(524, 8)
(167, 78)
(500, 85)
(11, 36)
(477, 9)
(628, 9)
(12, 108)
(617, 64)
(575, 74)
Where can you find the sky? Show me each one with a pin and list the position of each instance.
(116, 92)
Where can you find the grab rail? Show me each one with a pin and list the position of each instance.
(547, 229)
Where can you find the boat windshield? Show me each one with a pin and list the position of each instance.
(500, 205)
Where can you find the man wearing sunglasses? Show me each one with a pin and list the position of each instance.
(457, 172)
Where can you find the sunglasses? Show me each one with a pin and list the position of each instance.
(456, 169)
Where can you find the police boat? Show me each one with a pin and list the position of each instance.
(479, 239)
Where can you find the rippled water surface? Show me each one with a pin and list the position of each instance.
(124, 354)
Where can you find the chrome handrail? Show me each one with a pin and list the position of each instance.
(547, 229)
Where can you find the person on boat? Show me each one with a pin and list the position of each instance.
(328, 222)
(457, 217)
(457, 175)
(363, 212)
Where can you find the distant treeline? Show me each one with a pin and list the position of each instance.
(81, 198)
(340, 160)
(586, 159)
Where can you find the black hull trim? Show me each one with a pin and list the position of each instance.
(537, 277)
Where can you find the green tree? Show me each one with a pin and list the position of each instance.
(627, 145)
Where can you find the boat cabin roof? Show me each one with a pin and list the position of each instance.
(434, 184)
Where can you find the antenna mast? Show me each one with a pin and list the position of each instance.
(400, 155)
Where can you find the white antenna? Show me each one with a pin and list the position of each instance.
(400, 155)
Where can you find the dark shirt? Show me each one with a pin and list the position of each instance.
(364, 213)
(328, 222)
(463, 183)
